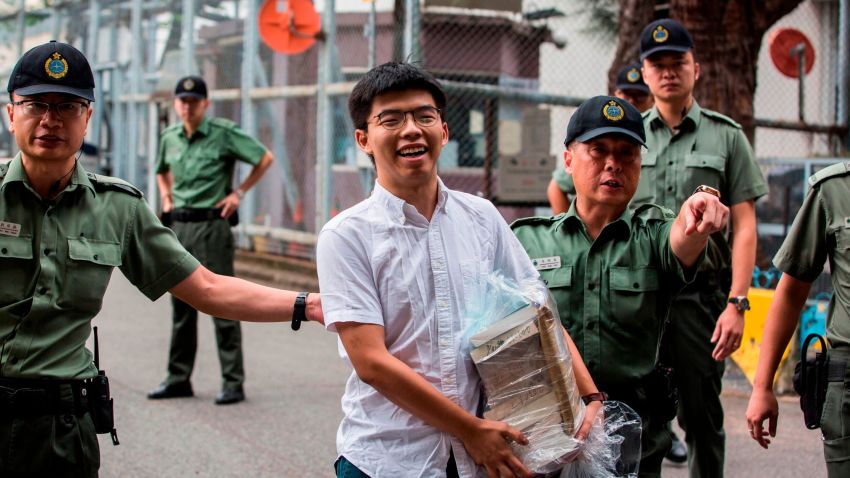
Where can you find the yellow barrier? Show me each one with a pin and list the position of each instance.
(747, 355)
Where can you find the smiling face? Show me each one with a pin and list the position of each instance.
(406, 157)
(48, 138)
(605, 170)
(671, 75)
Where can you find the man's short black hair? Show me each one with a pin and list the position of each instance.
(392, 76)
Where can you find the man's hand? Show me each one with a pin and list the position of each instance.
(167, 204)
(228, 205)
(704, 214)
(762, 407)
(590, 414)
(488, 443)
(727, 333)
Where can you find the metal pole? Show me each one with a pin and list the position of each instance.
(843, 76)
(250, 50)
(115, 90)
(22, 11)
(800, 52)
(372, 33)
(188, 37)
(153, 146)
(56, 23)
(324, 124)
(411, 31)
(135, 88)
(91, 54)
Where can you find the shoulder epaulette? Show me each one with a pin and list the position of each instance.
(173, 127)
(536, 221)
(3, 168)
(830, 171)
(223, 123)
(717, 116)
(109, 182)
(653, 212)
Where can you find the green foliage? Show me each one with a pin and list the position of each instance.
(602, 17)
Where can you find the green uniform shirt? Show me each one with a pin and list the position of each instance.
(709, 149)
(821, 232)
(203, 165)
(614, 293)
(564, 180)
(57, 257)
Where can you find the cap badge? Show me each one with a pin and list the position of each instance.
(633, 75)
(55, 66)
(613, 111)
(660, 34)
(188, 84)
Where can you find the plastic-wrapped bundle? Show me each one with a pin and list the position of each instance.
(518, 346)
(612, 448)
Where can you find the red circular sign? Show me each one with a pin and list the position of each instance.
(782, 43)
(289, 26)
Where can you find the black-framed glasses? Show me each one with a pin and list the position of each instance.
(65, 110)
(425, 116)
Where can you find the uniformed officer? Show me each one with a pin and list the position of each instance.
(686, 146)
(62, 231)
(614, 272)
(194, 174)
(820, 233)
(629, 86)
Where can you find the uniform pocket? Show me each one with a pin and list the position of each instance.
(633, 291)
(16, 262)
(89, 266)
(702, 168)
(645, 192)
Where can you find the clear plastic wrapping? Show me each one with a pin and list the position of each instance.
(520, 351)
(612, 448)
(518, 346)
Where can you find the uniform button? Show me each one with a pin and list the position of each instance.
(14, 360)
(669, 188)
(42, 291)
(3, 250)
(636, 285)
(47, 252)
(670, 163)
(590, 286)
(11, 335)
(95, 257)
(591, 326)
(545, 281)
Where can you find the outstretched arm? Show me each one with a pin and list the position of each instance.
(782, 318)
(237, 299)
(485, 440)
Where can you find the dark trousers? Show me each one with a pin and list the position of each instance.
(835, 422)
(698, 376)
(61, 446)
(344, 468)
(211, 242)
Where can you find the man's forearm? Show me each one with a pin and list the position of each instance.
(257, 172)
(237, 299)
(744, 238)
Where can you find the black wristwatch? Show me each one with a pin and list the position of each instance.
(594, 397)
(299, 310)
(741, 303)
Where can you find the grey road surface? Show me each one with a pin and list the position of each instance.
(287, 427)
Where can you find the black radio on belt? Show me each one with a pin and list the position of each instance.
(100, 403)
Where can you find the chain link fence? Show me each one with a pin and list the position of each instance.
(514, 70)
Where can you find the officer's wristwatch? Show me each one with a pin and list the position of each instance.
(707, 189)
(594, 397)
(741, 303)
(239, 193)
(299, 311)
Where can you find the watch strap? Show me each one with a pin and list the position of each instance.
(299, 310)
(707, 189)
(594, 397)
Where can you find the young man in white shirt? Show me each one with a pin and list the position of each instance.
(396, 272)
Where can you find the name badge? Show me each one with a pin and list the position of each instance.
(546, 263)
(10, 229)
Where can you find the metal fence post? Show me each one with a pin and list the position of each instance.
(324, 117)
(842, 79)
(412, 50)
(187, 32)
(249, 54)
(135, 88)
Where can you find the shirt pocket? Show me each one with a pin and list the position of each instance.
(89, 266)
(560, 283)
(702, 169)
(16, 262)
(634, 294)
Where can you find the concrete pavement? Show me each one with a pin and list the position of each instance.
(287, 427)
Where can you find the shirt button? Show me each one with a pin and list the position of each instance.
(11, 335)
(670, 163)
(636, 285)
(590, 286)
(591, 326)
(42, 291)
(544, 280)
(95, 257)
(47, 252)
(14, 360)
(670, 188)
(4, 251)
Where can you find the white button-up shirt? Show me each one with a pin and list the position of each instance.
(381, 262)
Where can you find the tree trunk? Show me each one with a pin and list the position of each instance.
(727, 37)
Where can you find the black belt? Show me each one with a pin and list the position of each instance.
(38, 397)
(195, 215)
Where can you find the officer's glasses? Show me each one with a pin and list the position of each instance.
(424, 116)
(66, 110)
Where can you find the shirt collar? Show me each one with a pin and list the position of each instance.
(689, 122)
(203, 128)
(16, 173)
(624, 221)
(399, 209)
